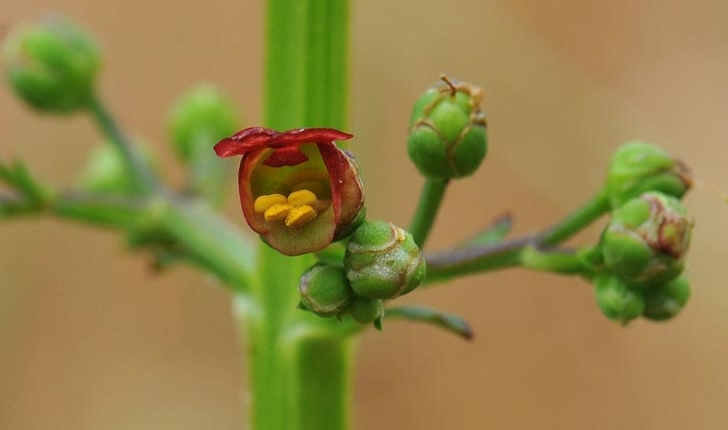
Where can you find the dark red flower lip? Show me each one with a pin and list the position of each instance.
(253, 138)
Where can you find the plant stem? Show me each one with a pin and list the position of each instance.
(142, 173)
(431, 196)
(300, 364)
(478, 259)
(587, 213)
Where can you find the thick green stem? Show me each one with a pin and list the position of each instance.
(432, 193)
(300, 364)
(142, 173)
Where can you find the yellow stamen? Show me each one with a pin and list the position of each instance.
(300, 216)
(278, 212)
(316, 187)
(264, 202)
(302, 198)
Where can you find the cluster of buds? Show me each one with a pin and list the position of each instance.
(382, 262)
(643, 248)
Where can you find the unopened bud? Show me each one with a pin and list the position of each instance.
(647, 239)
(364, 310)
(447, 136)
(664, 301)
(616, 300)
(325, 290)
(639, 167)
(200, 118)
(52, 65)
(382, 261)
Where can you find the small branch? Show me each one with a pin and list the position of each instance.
(507, 253)
(432, 193)
(143, 174)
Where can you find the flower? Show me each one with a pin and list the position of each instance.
(298, 190)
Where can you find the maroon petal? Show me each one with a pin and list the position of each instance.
(244, 141)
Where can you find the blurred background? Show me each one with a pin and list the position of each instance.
(91, 339)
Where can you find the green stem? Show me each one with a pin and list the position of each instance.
(142, 173)
(478, 259)
(587, 213)
(430, 198)
(300, 364)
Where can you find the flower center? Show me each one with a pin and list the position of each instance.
(298, 209)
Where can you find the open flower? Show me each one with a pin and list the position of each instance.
(297, 188)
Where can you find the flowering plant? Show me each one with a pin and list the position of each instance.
(323, 273)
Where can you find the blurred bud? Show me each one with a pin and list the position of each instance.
(325, 290)
(364, 310)
(106, 170)
(447, 136)
(382, 261)
(616, 300)
(52, 65)
(199, 119)
(647, 239)
(664, 301)
(639, 167)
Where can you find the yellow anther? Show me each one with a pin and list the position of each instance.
(302, 198)
(264, 202)
(277, 212)
(316, 187)
(300, 216)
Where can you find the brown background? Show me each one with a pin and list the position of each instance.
(89, 339)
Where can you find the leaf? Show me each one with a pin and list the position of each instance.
(449, 322)
(494, 233)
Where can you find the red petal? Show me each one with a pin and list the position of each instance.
(300, 136)
(244, 141)
(286, 156)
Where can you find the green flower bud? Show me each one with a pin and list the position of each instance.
(639, 167)
(616, 300)
(447, 135)
(664, 301)
(364, 310)
(382, 261)
(647, 239)
(325, 290)
(200, 118)
(107, 172)
(52, 65)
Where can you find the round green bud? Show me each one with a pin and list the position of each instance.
(382, 261)
(324, 289)
(364, 310)
(647, 239)
(106, 171)
(199, 119)
(639, 167)
(617, 300)
(52, 65)
(447, 134)
(664, 301)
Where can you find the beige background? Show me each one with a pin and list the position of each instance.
(90, 339)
